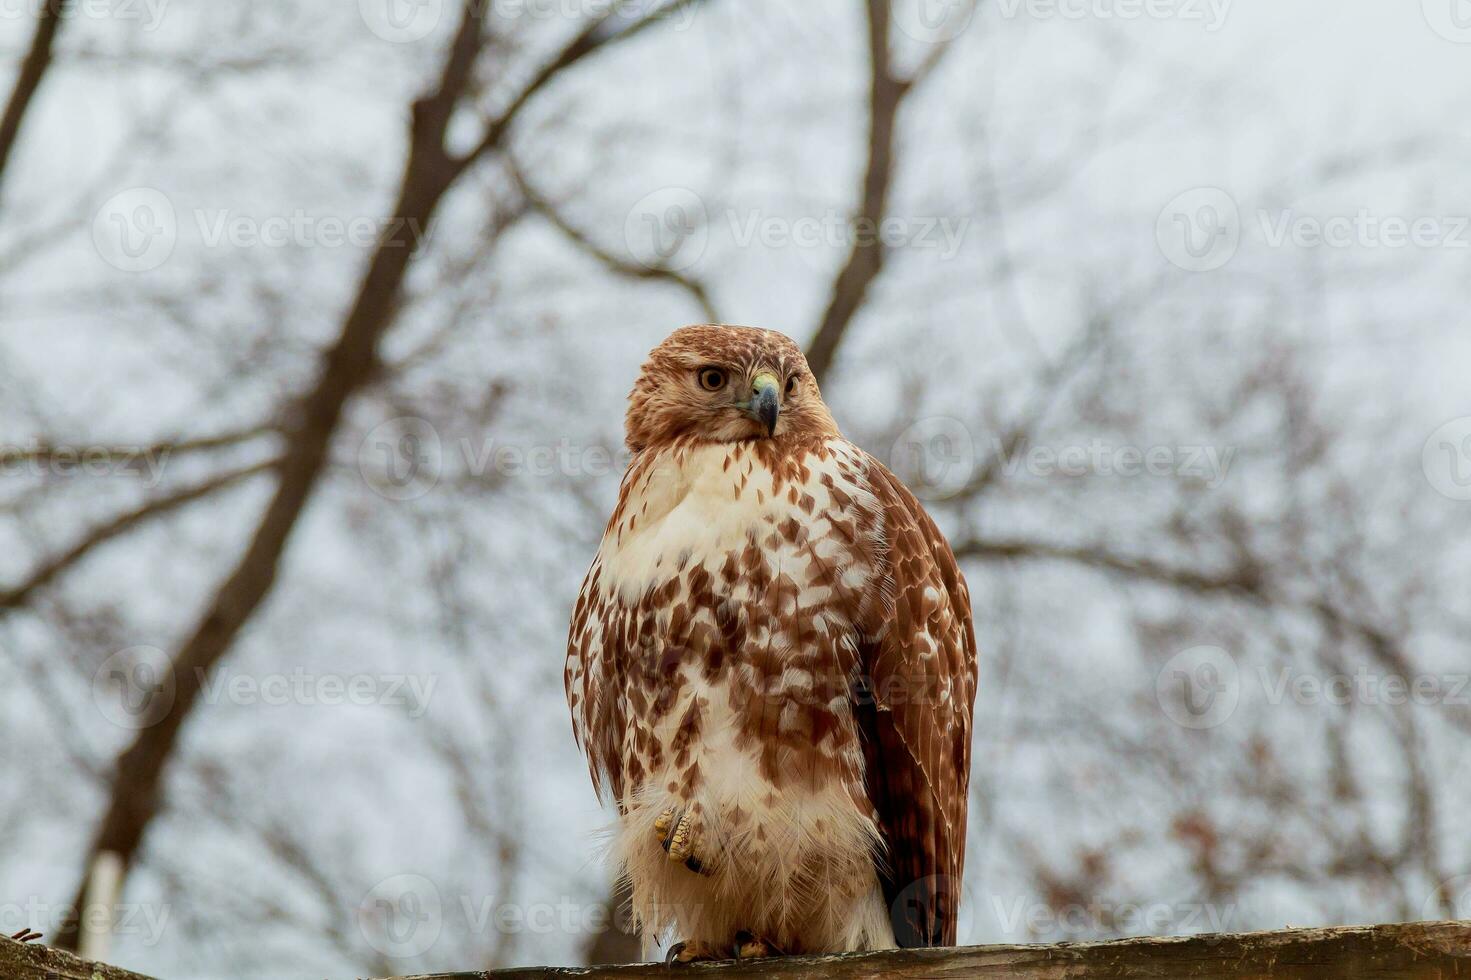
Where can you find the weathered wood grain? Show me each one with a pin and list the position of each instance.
(1413, 951)
(1410, 951)
(31, 961)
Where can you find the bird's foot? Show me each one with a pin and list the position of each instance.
(693, 951)
(748, 947)
(26, 936)
(679, 834)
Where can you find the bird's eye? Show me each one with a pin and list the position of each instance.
(712, 378)
(791, 386)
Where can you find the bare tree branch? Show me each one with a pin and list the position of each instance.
(353, 363)
(865, 262)
(32, 70)
(19, 595)
(866, 258)
(598, 34)
(1241, 580)
(118, 451)
(940, 49)
(613, 263)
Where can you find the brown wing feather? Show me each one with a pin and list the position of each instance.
(914, 704)
(593, 678)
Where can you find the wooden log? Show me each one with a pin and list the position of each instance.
(32, 961)
(1410, 951)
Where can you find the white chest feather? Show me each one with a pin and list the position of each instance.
(743, 576)
(698, 506)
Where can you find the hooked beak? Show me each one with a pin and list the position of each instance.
(764, 405)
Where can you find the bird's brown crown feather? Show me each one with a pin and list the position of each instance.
(668, 403)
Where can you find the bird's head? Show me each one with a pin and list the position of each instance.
(715, 383)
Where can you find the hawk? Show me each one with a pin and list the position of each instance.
(771, 667)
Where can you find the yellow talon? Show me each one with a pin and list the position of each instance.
(748, 947)
(678, 830)
(693, 951)
(682, 840)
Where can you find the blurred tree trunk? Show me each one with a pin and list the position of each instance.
(866, 258)
(136, 785)
(353, 362)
